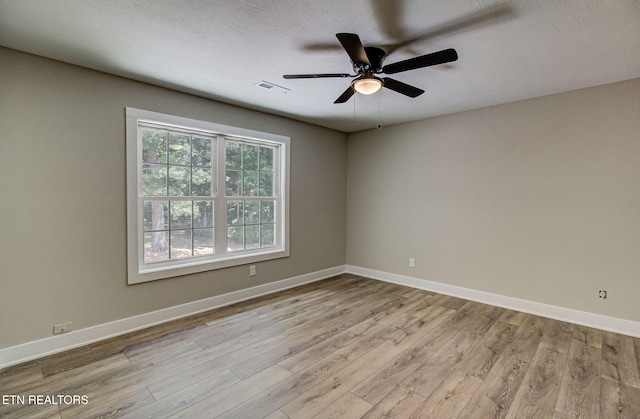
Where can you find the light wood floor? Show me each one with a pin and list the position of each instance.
(346, 347)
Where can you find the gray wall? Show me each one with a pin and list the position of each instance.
(538, 199)
(63, 208)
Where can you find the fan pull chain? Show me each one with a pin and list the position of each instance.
(354, 109)
(379, 100)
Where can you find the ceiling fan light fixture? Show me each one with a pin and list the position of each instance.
(367, 85)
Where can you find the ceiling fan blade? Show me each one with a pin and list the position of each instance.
(475, 20)
(351, 43)
(400, 87)
(440, 57)
(346, 95)
(315, 76)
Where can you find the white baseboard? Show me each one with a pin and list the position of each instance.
(36, 349)
(583, 318)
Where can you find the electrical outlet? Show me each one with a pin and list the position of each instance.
(61, 328)
(412, 262)
(602, 294)
(252, 270)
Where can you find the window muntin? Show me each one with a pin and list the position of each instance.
(250, 174)
(176, 167)
(205, 196)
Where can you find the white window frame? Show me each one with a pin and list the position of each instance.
(138, 271)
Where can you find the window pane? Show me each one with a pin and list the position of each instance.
(156, 247)
(266, 159)
(203, 241)
(154, 180)
(179, 149)
(233, 159)
(252, 212)
(201, 152)
(235, 213)
(201, 182)
(267, 211)
(249, 157)
(202, 214)
(156, 215)
(235, 239)
(181, 246)
(266, 235)
(154, 146)
(252, 236)
(233, 183)
(181, 214)
(179, 180)
(266, 184)
(250, 183)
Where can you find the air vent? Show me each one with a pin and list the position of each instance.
(272, 87)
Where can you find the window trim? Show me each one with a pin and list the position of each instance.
(137, 273)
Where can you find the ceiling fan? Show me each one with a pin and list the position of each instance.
(367, 63)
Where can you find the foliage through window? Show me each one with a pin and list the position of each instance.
(205, 197)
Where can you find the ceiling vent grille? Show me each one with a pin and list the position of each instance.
(272, 87)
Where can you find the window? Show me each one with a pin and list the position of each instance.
(202, 196)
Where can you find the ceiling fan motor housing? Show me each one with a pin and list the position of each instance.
(376, 57)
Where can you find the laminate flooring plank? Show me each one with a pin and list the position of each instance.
(619, 359)
(538, 393)
(347, 406)
(435, 368)
(175, 383)
(114, 406)
(300, 324)
(618, 400)
(136, 376)
(384, 380)
(290, 388)
(525, 341)
(636, 344)
(494, 396)
(449, 398)
(463, 315)
(277, 415)
(401, 308)
(322, 395)
(19, 377)
(118, 344)
(482, 322)
(291, 347)
(311, 338)
(29, 411)
(75, 378)
(513, 317)
(579, 392)
(398, 403)
(367, 332)
(485, 354)
(424, 307)
(222, 401)
(588, 335)
(185, 397)
(150, 347)
(447, 301)
(67, 360)
(160, 353)
(413, 332)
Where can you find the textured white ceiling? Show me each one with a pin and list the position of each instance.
(220, 49)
